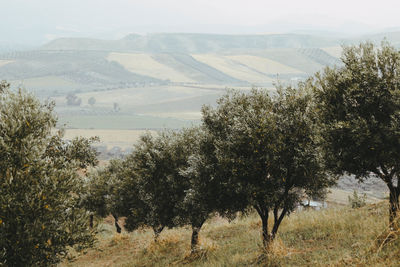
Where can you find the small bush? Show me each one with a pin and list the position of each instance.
(357, 201)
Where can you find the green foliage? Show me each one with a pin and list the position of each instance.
(357, 201)
(153, 183)
(41, 213)
(269, 146)
(208, 190)
(102, 189)
(359, 107)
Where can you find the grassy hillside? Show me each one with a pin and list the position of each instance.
(337, 236)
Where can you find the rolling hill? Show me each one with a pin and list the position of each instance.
(146, 75)
(191, 43)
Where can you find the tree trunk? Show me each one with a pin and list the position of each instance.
(266, 237)
(394, 206)
(91, 221)
(116, 223)
(195, 237)
(277, 221)
(157, 231)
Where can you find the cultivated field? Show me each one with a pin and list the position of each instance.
(232, 68)
(109, 137)
(144, 64)
(264, 65)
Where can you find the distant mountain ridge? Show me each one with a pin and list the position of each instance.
(191, 43)
(85, 64)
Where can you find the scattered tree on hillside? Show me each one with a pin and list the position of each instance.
(359, 105)
(102, 192)
(73, 100)
(153, 182)
(269, 147)
(41, 214)
(92, 101)
(209, 190)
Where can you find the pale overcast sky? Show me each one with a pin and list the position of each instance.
(114, 18)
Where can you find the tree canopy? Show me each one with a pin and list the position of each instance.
(359, 107)
(269, 146)
(40, 207)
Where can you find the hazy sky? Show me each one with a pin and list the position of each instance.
(114, 18)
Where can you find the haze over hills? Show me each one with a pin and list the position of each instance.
(165, 78)
(192, 43)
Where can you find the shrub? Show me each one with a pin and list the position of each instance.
(41, 215)
(357, 201)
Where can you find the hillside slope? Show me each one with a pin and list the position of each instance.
(333, 237)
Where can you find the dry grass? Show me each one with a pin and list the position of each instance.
(339, 196)
(333, 237)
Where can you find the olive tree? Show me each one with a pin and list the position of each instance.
(359, 107)
(269, 146)
(41, 214)
(153, 185)
(102, 195)
(209, 191)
